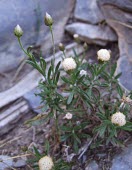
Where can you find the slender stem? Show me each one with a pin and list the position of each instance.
(57, 125)
(84, 54)
(52, 35)
(19, 40)
(64, 54)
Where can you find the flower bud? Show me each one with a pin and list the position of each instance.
(61, 47)
(48, 20)
(103, 55)
(85, 46)
(45, 163)
(76, 37)
(18, 31)
(83, 73)
(118, 118)
(68, 116)
(69, 64)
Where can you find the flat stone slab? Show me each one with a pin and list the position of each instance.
(88, 11)
(124, 160)
(125, 66)
(118, 15)
(92, 34)
(7, 162)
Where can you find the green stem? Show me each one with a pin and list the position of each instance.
(19, 40)
(57, 125)
(64, 54)
(84, 54)
(52, 41)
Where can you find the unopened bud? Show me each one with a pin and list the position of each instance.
(48, 20)
(76, 37)
(61, 47)
(18, 31)
(85, 46)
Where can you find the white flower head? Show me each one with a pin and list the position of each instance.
(103, 55)
(68, 116)
(69, 64)
(118, 118)
(126, 99)
(83, 72)
(18, 31)
(45, 163)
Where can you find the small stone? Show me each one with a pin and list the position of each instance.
(7, 162)
(19, 163)
(88, 11)
(124, 160)
(92, 34)
(92, 166)
(34, 101)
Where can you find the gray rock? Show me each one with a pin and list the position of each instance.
(88, 11)
(92, 34)
(7, 162)
(92, 166)
(34, 101)
(118, 14)
(19, 163)
(125, 66)
(124, 160)
(30, 18)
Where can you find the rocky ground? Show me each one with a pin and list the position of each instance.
(109, 27)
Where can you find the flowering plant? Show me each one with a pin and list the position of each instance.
(93, 112)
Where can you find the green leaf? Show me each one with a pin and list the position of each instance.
(113, 69)
(70, 98)
(118, 75)
(75, 146)
(104, 85)
(66, 80)
(47, 147)
(120, 91)
(57, 67)
(127, 126)
(49, 73)
(66, 128)
(37, 154)
(101, 69)
(65, 137)
(43, 64)
(101, 116)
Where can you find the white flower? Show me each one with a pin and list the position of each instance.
(45, 163)
(68, 116)
(48, 20)
(18, 31)
(69, 64)
(118, 118)
(103, 55)
(83, 72)
(126, 99)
